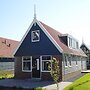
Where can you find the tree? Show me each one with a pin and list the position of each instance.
(55, 71)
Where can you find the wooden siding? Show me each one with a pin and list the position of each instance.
(4, 59)
(25, 75)
(43, 47)
(73, 70)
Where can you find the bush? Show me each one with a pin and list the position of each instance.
(38, 88)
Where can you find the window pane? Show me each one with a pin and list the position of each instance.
(35, 35)
(26, 58)
(46, 65)
(46, 58)
(69, 60)
(65, 60)
(26, 66)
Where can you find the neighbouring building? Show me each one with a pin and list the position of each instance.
(7, 47)
(86, 50)
(37, 48)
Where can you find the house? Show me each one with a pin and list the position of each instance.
(86, 50)
(7, 47)
(39, 45)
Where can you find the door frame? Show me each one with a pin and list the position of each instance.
(39, 67)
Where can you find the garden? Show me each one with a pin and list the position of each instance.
(81, 84)
(6, 74)
(10, 74)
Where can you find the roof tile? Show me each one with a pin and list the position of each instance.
(65, 48)
(7, 47)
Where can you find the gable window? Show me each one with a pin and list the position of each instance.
(46, 62)
(26, 64)
(35, 36)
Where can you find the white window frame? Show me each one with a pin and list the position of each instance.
(27, 61)
(70, 61)
(43, 66)
(66, 60)
(76, 58)
(32, 37)
(72, 42)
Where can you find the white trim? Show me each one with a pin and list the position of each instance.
(38, 65)
(34, 21)
(30, 64)
(66, 66)
(70, 66)
(45, 60)
(45, 31)
(66, 60)
(50, 37)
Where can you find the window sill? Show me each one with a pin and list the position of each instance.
(66, 66)
(26, 71)
(45, 71)
(70, 66)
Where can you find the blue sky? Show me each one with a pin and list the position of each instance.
(66, 16)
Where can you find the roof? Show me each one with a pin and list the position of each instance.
(64, 47)
(83, 44)
(7, 47)
(53, 35)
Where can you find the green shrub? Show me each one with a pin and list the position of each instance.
(6, 74)
(38, 88)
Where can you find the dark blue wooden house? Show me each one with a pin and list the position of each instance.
(37, 48)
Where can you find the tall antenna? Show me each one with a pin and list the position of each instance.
(34, 11)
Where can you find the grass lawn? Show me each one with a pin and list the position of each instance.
(81, 84)
(6, 74)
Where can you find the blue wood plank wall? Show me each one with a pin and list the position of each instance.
(43, 47)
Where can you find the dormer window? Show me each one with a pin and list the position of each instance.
(35, 36)
(72, 43)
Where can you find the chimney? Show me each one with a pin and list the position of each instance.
(9, 45)
(4, 41)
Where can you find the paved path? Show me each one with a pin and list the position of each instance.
(49, 85)
(62, 85)
(75, 78)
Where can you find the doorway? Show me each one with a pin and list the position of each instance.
(36, 67)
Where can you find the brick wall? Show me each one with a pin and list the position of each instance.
(18, 69)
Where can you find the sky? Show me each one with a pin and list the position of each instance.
(65, 16)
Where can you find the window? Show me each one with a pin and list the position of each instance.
(65, 60)
(72, 43)
(77, 45)
(76, 60)
(35, 36)
(46, 62)
(69, 60)
(26, 63)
